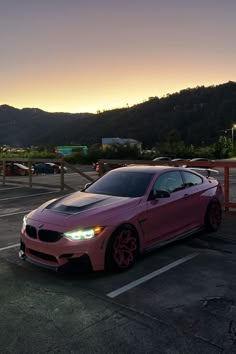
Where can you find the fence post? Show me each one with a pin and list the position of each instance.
(101, 170)
(226, 187)
(30, 173)
(62, 174)
(4, 172)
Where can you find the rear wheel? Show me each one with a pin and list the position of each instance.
(122, 250)
(213, 216)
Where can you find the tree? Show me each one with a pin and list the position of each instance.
(173, 145)
(223, 147)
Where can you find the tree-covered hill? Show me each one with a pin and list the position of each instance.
(199, 115)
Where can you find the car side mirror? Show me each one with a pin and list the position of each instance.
(86, 186)
(158, 194)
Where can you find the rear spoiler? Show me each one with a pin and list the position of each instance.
(207, 170)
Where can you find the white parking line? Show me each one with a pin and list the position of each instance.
(29, 195)
(7, 189)
(16, 213)
(7, 247)
(139, 281)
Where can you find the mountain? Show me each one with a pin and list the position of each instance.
(199, 115)
(32, 126)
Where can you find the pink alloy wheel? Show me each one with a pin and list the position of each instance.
(124, 248)
(214, 216)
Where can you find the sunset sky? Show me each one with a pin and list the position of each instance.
(90, 55)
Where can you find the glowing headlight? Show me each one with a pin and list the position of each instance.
(25, 221)
(84, 234)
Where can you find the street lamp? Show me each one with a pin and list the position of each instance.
(232, 129)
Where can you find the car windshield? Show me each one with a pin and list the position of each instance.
(122, 184)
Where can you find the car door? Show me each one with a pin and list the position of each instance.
(194, 198)
(166, 216)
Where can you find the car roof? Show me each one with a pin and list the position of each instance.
(200, 159)
(144, 168)
(178, 159)
(161, 158)
(20, 165)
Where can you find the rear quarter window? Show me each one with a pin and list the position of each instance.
(190, 179)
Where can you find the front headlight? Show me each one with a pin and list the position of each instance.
(25, 221)
(84, 234)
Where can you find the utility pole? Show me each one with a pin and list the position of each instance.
(232, 129)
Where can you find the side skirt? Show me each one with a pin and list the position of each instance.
(179, 237)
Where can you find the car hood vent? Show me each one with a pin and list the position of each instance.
(80, 202)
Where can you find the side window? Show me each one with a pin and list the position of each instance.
(190, 179)
(169, 181)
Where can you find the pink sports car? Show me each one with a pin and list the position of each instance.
(124, 213)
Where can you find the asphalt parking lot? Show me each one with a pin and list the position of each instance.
(178, 299)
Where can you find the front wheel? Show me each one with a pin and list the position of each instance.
(122, 250)
(213, 216)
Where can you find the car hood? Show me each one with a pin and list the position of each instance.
(85, 208)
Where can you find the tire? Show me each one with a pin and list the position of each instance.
(122, 250)
(213, 216)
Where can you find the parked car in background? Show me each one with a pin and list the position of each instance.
(177, 159)
(48, 168)
(15, 169)
(121, 215)
(162, 158)
(200, 159)
(107, 167)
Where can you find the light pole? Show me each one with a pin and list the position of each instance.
(233, 127)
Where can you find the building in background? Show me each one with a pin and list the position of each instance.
(68, 150)
(113, 142)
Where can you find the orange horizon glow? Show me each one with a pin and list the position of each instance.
(80, 57)
(96, 106)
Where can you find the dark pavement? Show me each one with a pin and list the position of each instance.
(191, 309)
(188, 309)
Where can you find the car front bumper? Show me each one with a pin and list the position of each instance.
(65, 254)
(77, 264)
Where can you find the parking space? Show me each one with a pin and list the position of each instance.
(197, 297)
(178, 299)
